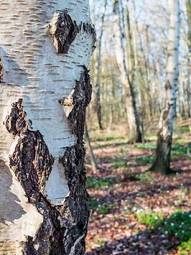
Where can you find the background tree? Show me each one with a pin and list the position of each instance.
(98, 70)
(128, 70)
(188, 80)
(166, 124)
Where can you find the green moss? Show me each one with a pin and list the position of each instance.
(118, 163)
(184, 248)
(101, 242)
(100, 208)
(179, 150)
(178, 225)
(144, 160)
(151, 219)
(98, 183)
(145, 177)
(108, 138)
(184, 129)
(105, 208)
(146, 146)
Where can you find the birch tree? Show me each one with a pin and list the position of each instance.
(168, 115)
(188, 90)
(98, 70)
(45, 48)
(128, 67)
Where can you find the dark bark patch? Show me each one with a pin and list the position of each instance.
(63, 31)
(1, 69)
(64, 228)
(73, 162)
(81, 99)
(168, 86)
(31, 161)
(15, 122)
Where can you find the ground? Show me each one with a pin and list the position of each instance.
(135, 211)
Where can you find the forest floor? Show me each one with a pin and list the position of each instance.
(136, 212)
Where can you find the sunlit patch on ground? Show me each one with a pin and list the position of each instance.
(135, 211)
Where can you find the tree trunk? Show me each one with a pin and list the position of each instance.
(134, 123)
(98, 71)
(168, 115)
(188, 92)
(45, 48)
(91, 152)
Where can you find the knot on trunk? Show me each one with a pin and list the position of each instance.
(63, 31)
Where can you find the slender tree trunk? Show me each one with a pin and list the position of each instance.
(92, 155)
(134, 123)
(112, 99)
(98, 71)
(188, 92)
(45, 48)
(166, 124)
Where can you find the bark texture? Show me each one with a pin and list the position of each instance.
(164, 143)
(31, 162)
(44, 74)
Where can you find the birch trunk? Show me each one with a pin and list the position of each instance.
(188, 92)
(98, 71)
(45, 48)
(135, 132)
(91, 151)
(168, 115)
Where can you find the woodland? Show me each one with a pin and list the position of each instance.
(95, 127)
(138, 136)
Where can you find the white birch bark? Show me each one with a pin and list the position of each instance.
(98, 70)
(35, 72)
(188, 90)
(128, 75)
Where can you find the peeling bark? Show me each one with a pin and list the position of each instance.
(73, 162)
(81, 99)
(63, 31)
(37, 132)
(32, 163)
